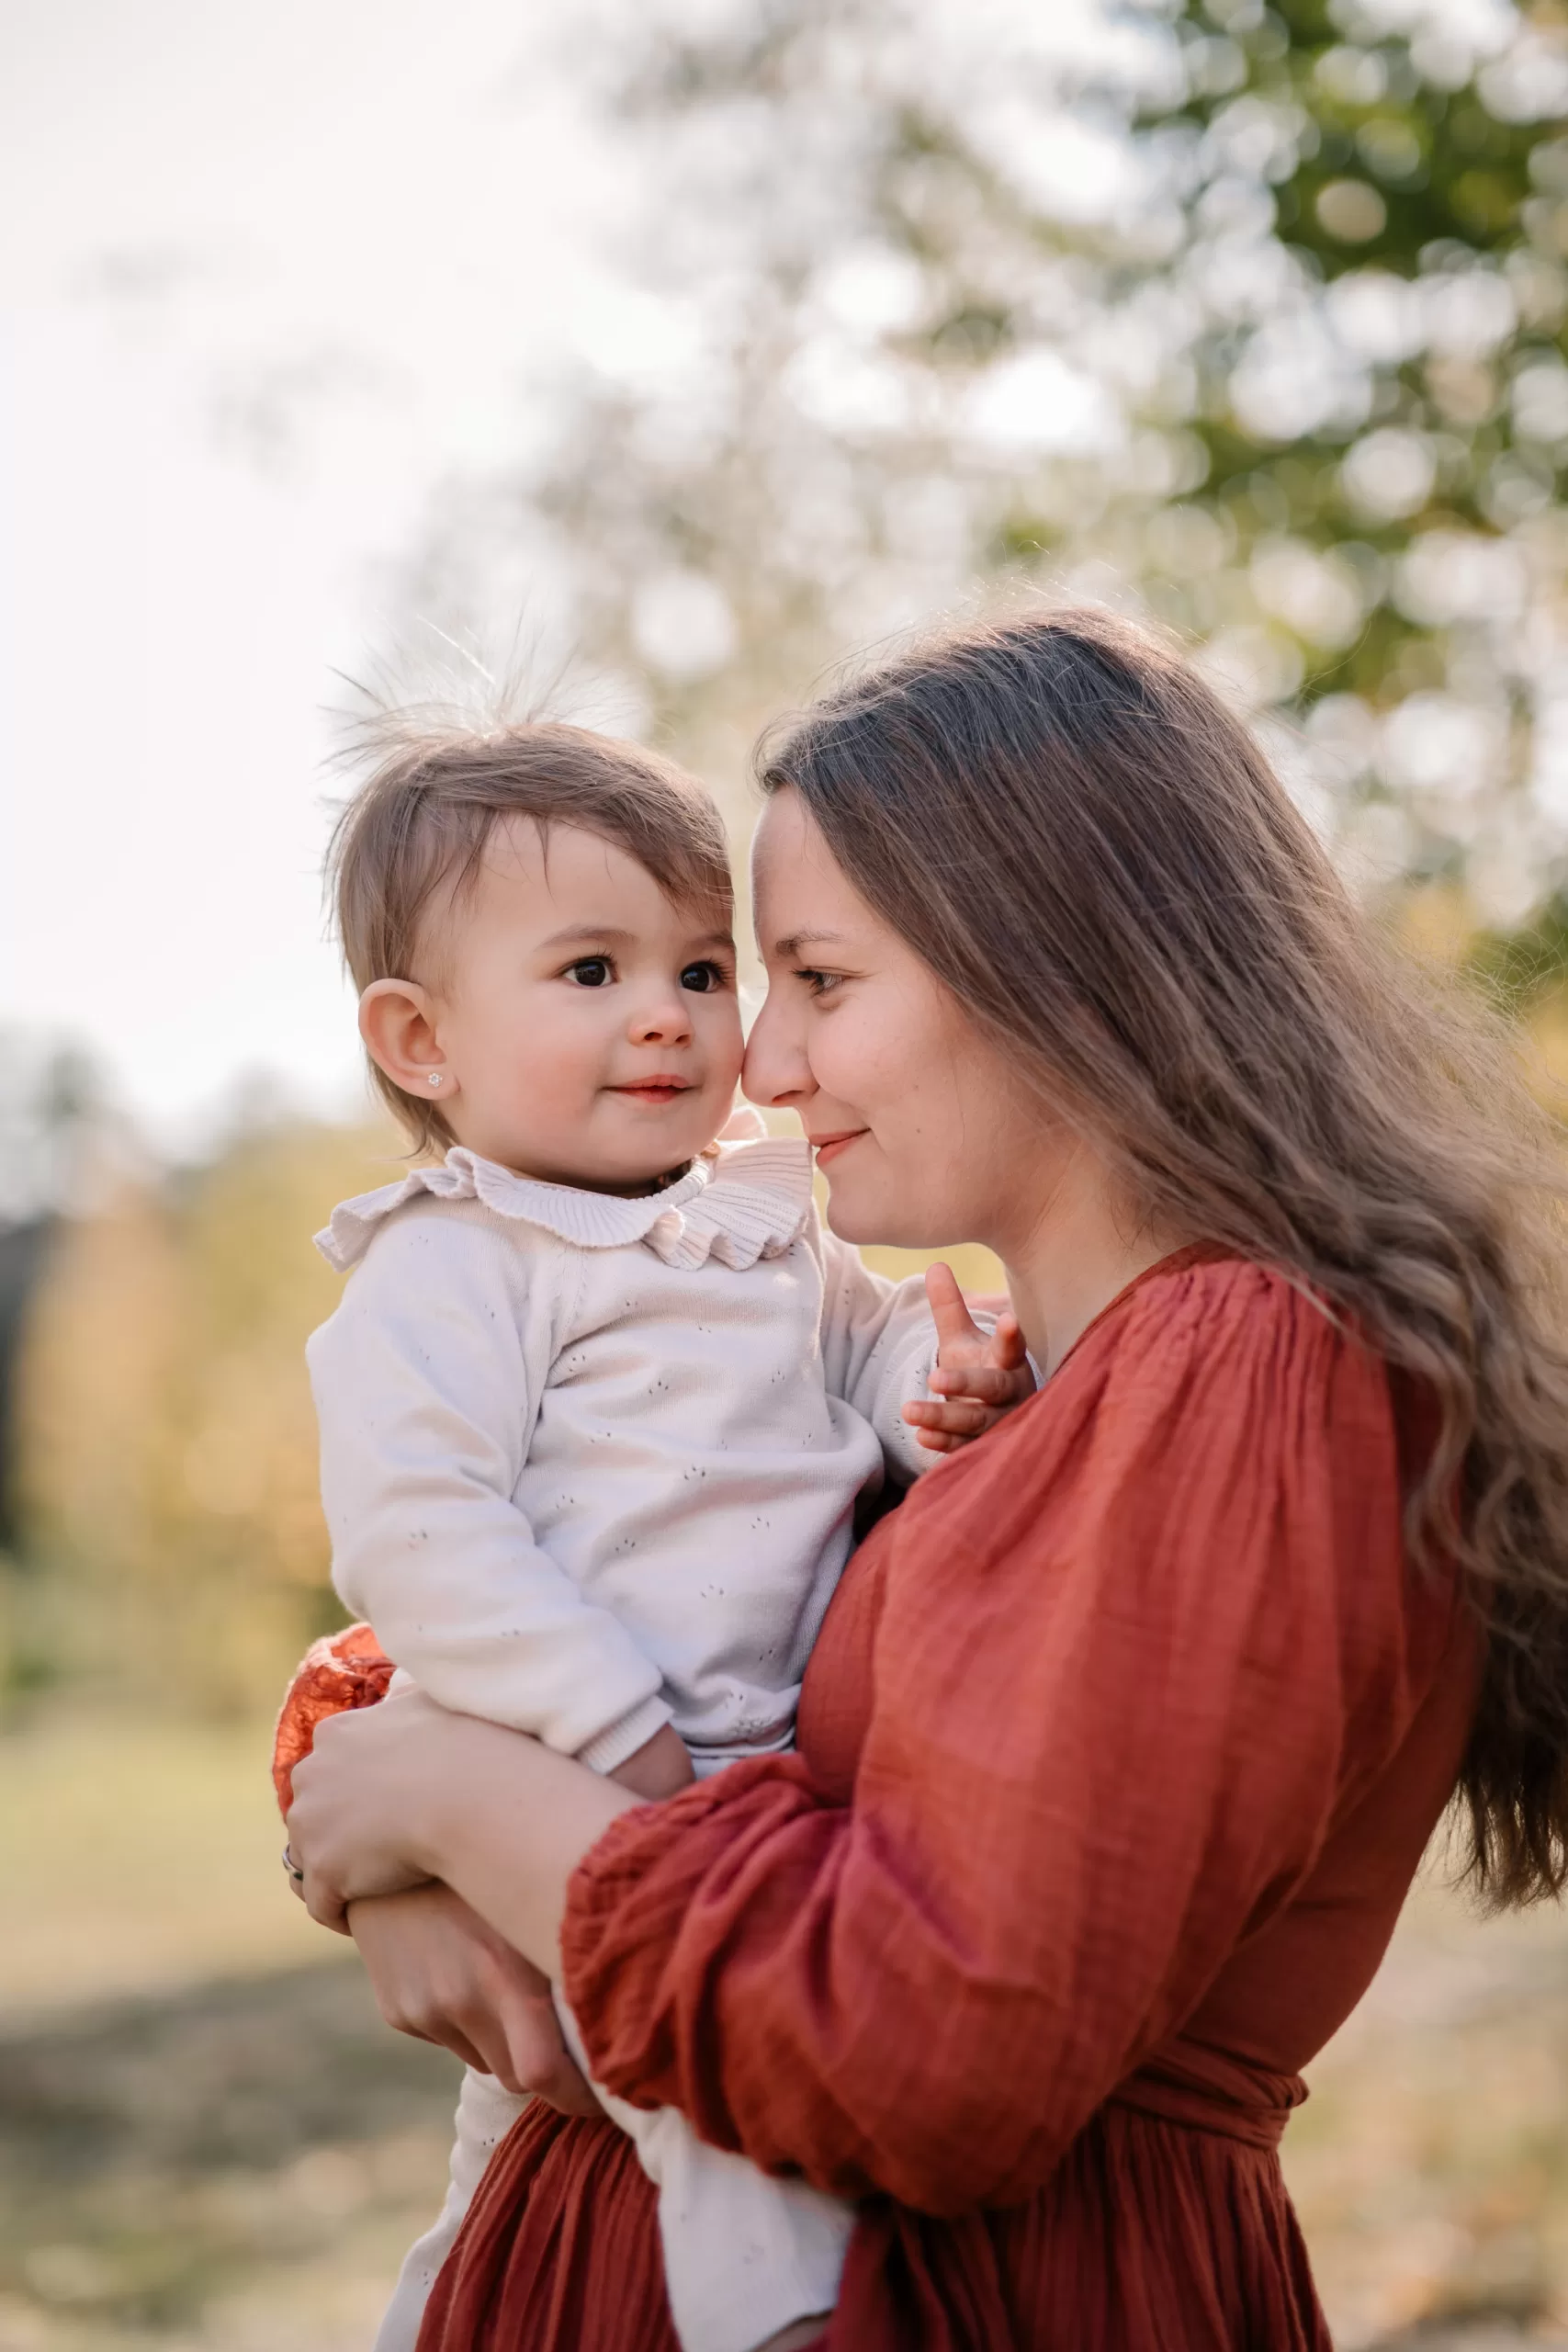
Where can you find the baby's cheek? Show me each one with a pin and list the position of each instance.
(723, 1037)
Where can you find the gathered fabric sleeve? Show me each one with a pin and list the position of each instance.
(427, 1382)
(878, 1348)
(1134, 1650)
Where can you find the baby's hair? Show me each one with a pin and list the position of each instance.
(420, 824)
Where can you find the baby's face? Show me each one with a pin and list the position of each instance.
(589, 1028)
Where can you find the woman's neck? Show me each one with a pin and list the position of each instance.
(1083, 1247)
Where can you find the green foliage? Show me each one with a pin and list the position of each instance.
(1250, 316)
(1379, 176)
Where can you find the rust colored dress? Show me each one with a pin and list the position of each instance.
(1118, 1751)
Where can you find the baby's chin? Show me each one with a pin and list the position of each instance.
(637, 1171)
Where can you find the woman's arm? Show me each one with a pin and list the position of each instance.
(392, 1796)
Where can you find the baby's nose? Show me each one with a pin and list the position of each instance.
(661, 1024)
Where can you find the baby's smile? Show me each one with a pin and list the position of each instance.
(657, 1090)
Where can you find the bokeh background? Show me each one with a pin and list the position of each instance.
(654, 354)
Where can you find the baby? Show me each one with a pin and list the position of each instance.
(601, 1398)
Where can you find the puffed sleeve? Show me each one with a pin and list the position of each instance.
(1132, 1652)
(427, 1380)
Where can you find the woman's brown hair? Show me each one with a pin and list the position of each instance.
(1095, 856)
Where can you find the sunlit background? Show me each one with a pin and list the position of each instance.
(656, 356)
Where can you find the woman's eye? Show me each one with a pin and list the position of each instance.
(590, 972)
(820, 983)
(702, 979)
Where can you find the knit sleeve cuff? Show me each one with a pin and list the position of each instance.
(610, 1747)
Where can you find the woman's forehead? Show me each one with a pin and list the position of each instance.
(789, 855)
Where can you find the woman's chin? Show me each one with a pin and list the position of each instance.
(846, 1216)
(856, 1213)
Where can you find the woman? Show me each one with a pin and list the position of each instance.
(1125, 1733)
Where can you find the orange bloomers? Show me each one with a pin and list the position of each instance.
(341, 1670)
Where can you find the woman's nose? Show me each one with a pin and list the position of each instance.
(775, 1070)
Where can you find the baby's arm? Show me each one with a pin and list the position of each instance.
(427, 1381)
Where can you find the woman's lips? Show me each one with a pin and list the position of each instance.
(828, 1147)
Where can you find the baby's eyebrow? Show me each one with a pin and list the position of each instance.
(609, 933)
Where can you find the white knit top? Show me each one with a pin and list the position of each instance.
(590, 1463)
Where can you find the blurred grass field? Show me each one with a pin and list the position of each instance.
(210, 2143)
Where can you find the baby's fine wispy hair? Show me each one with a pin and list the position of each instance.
(440, 767)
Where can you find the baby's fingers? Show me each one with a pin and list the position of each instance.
(1007, 1347)
(953, 1416)
(984, 1382)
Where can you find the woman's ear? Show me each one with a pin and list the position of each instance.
(397, 1022)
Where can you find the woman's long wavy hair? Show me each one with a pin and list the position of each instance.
(1095, 856)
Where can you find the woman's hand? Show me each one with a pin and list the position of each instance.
(979, 1376)
(440, 1974)
(360, 1800)
(391, 1796)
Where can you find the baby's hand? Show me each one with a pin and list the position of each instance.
(979, 1376)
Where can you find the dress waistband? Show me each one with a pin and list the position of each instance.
(1211, 2090)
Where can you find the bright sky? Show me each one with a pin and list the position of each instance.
(266, 275)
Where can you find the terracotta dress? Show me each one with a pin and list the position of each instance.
(1118, 1751)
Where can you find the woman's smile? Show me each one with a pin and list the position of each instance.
(829, 1148)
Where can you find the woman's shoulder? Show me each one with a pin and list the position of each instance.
(1205, 1320)
(1210, 1375)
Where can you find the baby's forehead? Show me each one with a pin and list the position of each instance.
(557, 878)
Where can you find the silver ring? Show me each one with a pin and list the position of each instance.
(292, 1867)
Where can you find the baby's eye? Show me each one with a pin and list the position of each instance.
(590, 972)
(702, 979)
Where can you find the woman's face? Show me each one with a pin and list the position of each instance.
(918, 1127)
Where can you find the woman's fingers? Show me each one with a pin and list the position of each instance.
(537, 2048)
(443, 2033)
(443, 1975)
(325, 1904)
(356, 1796)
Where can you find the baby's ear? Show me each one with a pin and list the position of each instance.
(398, 1023)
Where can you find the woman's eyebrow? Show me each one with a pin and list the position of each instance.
(798, 940)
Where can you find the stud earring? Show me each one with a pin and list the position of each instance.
(435, 1078)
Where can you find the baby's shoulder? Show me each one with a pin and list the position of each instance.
(438, 1210)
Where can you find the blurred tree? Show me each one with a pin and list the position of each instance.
(1253, 314)
(168, 1443)
(51, 1120)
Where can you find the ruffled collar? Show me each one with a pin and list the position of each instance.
(748, 1198)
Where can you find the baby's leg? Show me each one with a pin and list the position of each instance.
(744, 2254)
(486, 2113)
